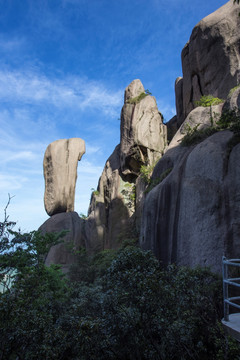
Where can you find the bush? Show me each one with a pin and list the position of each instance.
(138, 98)
(229, 120)
(158, 180)
(127, 308)
(195, 136)
(208, 100)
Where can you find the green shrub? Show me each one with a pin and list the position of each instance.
(95, 192)
(195, 136)
(129, 193)
(129, 308)
(232, 90)
(158, 180)
(146, 172)
(229, 120)
(208, 100)
(138, 98)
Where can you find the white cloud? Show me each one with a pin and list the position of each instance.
(8, 183)
(91, 149)
(9, 156)
(30, 87)
(86, 167)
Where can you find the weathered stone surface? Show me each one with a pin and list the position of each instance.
(115, 208)
(172, 128)
(60, 173)
(201, 117)
(179, 99)
(192, 217)
(143, 135)
(111, 207)
(211, 59)
(133, 90)
(233, 101)
(63, 253)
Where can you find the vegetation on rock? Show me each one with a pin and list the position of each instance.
(138, 98)
(208, 100)
(158, 180)
(232, 90)
(229, 120)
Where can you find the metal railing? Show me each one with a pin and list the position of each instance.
(229, 301)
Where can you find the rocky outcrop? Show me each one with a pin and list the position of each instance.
(64, 252)
(60, 173)
(189, 213)
(192, 216)
(210, 60)
(143, 135)
(116, 205)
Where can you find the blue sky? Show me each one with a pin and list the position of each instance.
(64, 65)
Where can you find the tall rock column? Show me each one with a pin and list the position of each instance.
(60, 173)
(143, 135)
(210, 60)
(116, 204)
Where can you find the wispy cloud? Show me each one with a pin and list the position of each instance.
(30, 87)
(8, 156)
(86, 167)
(11, 182)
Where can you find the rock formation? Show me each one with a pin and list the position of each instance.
(60, 173)
(210, 60)
(64, 252)
(116, 205)
(143, 135)
(189, 214)
(192, 216)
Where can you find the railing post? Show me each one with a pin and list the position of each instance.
(225, 288)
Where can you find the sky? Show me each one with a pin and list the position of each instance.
(64, 65)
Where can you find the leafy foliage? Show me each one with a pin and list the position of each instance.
(232, 90)
(195, 135)
(229, 120)
(158, 180)
(121, 305)
(138, 98)
(146, 172)
(208, 100)
(129, 193)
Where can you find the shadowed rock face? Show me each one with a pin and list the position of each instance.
(63, 253)
(192, 217)
(60, 173)
(143, 135)
(210, 60)
(114, 207)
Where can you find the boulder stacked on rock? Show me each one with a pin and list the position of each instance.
(60, 173)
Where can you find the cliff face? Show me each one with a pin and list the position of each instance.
(192, 216)
(116, 205)
(210, 60)
(190, 213)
